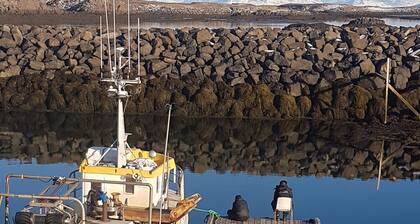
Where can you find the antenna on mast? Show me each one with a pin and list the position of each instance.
(119, 84)
(101, 49)
(108, 37)
(138, 47)
(115, 35)
(129, 39)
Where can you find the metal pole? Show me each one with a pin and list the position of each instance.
(165, 162)
(138, 46)
(386, 90)
(109, 41)
(115, 36)
(129, 39)
(100, 36)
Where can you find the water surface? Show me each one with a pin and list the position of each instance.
(332, 166)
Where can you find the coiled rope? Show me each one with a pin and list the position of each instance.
(211, 217)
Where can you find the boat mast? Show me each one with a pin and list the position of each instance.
(118, 90)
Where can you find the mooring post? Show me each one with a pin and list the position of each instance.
(386, 90)
(380, 165)
(388, 86)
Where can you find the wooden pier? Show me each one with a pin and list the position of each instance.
(224, 220)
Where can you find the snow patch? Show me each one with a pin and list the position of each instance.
(69, 5)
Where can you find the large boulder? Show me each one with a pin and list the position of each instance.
(158, 65)
(12, 70)
(310, 78)
(205, 98)
(359, 98)
(367, 67)
(203, 36)
(17, 35)
(56, 64)
(37, 65)
(286, 105)
(400, 77)
(53, 42)
(87, 35)
(357, 41)
(146, 49)
(185, 69)
(7, 43)
(301, 65)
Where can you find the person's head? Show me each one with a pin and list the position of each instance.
(238, 197)
(283, 183)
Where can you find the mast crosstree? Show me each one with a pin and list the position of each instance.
(119, 81)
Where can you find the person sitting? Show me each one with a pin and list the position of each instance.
(281, 190)
(239, 211)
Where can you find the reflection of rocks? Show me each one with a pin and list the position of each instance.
(316, 71)
(291, 148)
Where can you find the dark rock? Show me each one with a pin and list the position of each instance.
(237, 81)
(310, 78)
(158, 65)
(6, 43)
(301, 65)
(12, 70)
(53, 42)
(367, 67)
(401, 76)
(185, 69)
(146, 49)
(205, 98)
(94, 62)
(17, 35)
(57, 64)
(203, 36)
(36, 65)
(270, 77)
(87, 35)
(86, 47)
(357, 41)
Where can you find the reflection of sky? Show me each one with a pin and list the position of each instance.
(333, 200)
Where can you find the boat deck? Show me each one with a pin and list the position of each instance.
(224, 220)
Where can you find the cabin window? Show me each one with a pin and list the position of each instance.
(129, 188)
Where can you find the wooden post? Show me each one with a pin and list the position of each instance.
(405, 101)
(380, 165)
(105, 212)
(386, 89)
(276, 217)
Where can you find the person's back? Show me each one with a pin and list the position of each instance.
(239, 211)
(282, 190)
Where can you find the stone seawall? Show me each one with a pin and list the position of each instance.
(316, 71)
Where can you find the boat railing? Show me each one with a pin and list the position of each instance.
(64, 180)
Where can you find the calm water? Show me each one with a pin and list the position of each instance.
(274, 23)
(328, 193)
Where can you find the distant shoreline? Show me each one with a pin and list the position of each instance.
(92, 19)
(37, 12)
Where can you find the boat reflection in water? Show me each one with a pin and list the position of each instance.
(225, 157)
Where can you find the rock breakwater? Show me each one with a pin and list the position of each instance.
(317, 70)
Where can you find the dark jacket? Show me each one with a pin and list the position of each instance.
(281, 191)
(239, 211)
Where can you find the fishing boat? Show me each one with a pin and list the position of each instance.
(118, 183)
